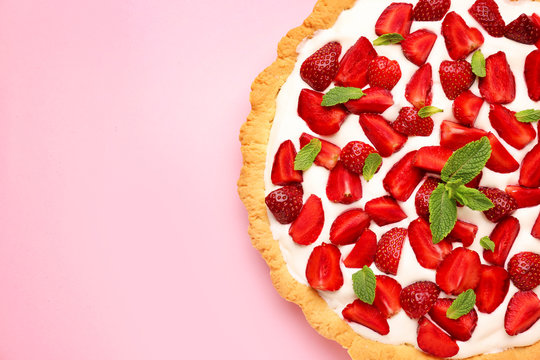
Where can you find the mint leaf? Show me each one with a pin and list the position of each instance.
(388, 39)
(373, 161)
(462, 305)
(452, 187)
(472, 198)
(467, 162)
(487, 243)
(364, 283)
(442, 213)
(340, 95)
(478, 63)
(528, 116)
(427, 111)
(307, 155)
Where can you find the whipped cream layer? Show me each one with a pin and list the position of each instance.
(360, 20)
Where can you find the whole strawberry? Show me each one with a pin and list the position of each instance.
(431, 10)
(486, 12)
(389, 250)
(418, 298)
(354, 155)
(456, 77)
(285, 203)
(409, 123)
(523, 30)
(383, 72)
(524, 270)
(320, 69)
(504, 204)
(421, 200)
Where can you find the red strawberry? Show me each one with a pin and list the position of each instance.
(417, 46)
(486, 12)
(403, 178)
(322, 270)
(459, 271)
(418, 298)
(514, 132)
(536, 19)
(381, 134)
(324, 120)
(524, 270)
(524, 197)
(501, 160)
(434, 341)
(421, 200)
(376, 100)
(418, 90)
(492, 288)
(456, 77)
(428, 254)
(343, 186)
(460, 39)
(383, 72)
(384, 210)
(475, 183)
(387, 296)
(504, 204)
(529, 174)
(409, 123)
(396, 18)
(283, 172)
(466, 108)
(431, 10)
(348, 227)
(285, 203)
(308, 225)
(523, 30)
(363, 252)
(463, 232)
(329, 154)
(432, 158)
(532, 74)
(522, 313)
(320, 69)
(536, 228)
(499, 84)
(389, 250)
(354, 154)
(460, 329)
(455, 136)
(503, 235)
(367, 315)
(353, 67)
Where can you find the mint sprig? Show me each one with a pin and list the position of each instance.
(528, 116)
(428, 111)
(340, 95)
(307, 155)
(487, 243)
(364, 284)
(388, 39)
(462, 305)
(478, 63)
(442, 213)
(467, 162)
(371, 165)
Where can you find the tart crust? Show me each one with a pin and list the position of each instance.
(254, 136)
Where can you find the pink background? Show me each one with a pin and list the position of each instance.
(121, 232)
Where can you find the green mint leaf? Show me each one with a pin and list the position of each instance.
(528, 116)
(442, 213)
(478, 63)
(467, 162)
(373, 161)
(452, 187)
(340, 95)
(472, 198)
(388, 39)
(462, 305)
(307, 155)
(487, 243)
(427, 111)
(364, 283)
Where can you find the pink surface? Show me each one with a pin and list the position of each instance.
(121, 233)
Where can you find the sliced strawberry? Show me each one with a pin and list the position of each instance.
(460, 329)
(532, 74)
(376, 100)
(381, 134)
(455, 136)
(524, 197)
(434, 341)
(514, 132)
(409, 123)
(432, 158)
(463, 232)
(353, 67)
(396, 18)
(522, 313)
(456, 77)
(308, 225)
(421, 199)
(403, 178)
(418, 298)
(363, 252)
(329, 154)
(389, 250)
(486, 12)
(523, 30)
(417, 46)
(323, 271)
(492, 288)
(501, 160)
(524, 270)
(504, 204)
(459, 271)
(354, 154)
(283, 172)
(384, 210)
(343, 186)
(383, 73)
(466, 108)
(536, 19)
(431, 10)
(529, 175)
(285, 203)
(536, 228)
(418, 90)
(387, 294)
(460, 39)
(367, 315)
(475, 183)
(348, 227)
(324, 120)
(428, 254)
(503, 235)
(499, 84)
(320, 69)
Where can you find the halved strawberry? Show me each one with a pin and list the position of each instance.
(486, 12)
(411, 124)
(504, 204)
(363, 252)
(524, 270)
(431, 10)
(343, 186)
(492, 288)
(532, 74)
(329, 154)
(466, 108)
(434, 341)
(283, 172)
(503, 235)
(432, 158)
(308, 225)
(418, 90)
(383, 72)
(522, 313)
(384, 210)
(428, 254)
(536, 19)
(367, 315)
(501, 160)
(387, 294)
(463, 232)
(459, 271)
(324, 120)
(348, 227)
(499, 84)
(536, 228)
(417, 46)
(529, 174)
(524, 197)
(421, 199)
(396, 18)
(323, 271)
(285, 203)
(320, 69)
(460, 329)
(381, 134)
(523, 30)
(456, 77)
(403, 178)
(353, 67)
(389, 250)
(376, 100)
(514, 132)
(460, 39)
(418, 298)
(354, 154)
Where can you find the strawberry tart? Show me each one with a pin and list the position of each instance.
(392, 176)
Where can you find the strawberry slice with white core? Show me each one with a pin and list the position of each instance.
(463, 232)
(532, 74)
(456, 77)
(428, 254)
(466, 108)
(522, 313)
(486, 12)
(529, 175)
(353, 67)
(421, 199)
(524, 270)
(514, 132)
(376, 100)
(283, 172)
(320, 69)
(536, 228)
(381, 134)
(323, 271)
(503, 235)
(308, 225)
(460, 329)
(383, 73)
(387, 294)
(418, 90)
(384, 210)
(329, 154)
(367, 315)
(459, 271)
(396, 18)
(432, 158)
(418, 298)
(492, 288)
(348, 227)
(403, 178)
(343, 186)
(417, 46)
(434, 341)
(324, 120)
(363, 252)
(499, 84)
(431, 10)
(524, 197)
(389, 249)
(460, 39)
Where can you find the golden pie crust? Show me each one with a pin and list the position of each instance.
(254, 136)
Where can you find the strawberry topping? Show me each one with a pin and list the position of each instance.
(522, 313)
(431, 10)
(389, 250)
(418, 90)
(503, 204)
(409, 123)
(329, 154)
(354, 154)
(383, 73)
(353, 67)
(381, 134)
(322, 270)
(532, 74)
(363, 252)
(459, 271)
(396, 18)
(308, 225)
(529, 175)
(524, 270)
(367, 315)
(343, 186)
(387, 294)
(428, 254)
(503, 235)
(324, 120)
(434, 341)
(515, 133)
(320, 69)
(486, 12)
(460, 329)
(466, 108)
(285, 203)
(283, 172)
(417, 46)
(384, 210)
(499, 84)
(523, 30)
(376, 100)
(348, 227)
(460, 39)
(492, 288)
(418, 298)
(456, 77)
